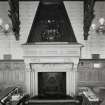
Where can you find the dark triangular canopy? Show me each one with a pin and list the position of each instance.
(51, 23)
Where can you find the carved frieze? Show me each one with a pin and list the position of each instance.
(52, 67)
(52, 50)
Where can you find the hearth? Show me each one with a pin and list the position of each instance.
(51, 84)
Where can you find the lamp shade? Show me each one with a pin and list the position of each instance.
(101, 21)
(6, 27)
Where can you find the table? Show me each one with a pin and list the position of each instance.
(89, 97)
(6, 96)
(86, 101)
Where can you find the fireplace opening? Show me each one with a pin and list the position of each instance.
(52, 84)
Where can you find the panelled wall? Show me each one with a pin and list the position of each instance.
(91, 72)
(8, 44)
(12, 73)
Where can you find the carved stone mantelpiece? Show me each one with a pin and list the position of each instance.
(51, 57)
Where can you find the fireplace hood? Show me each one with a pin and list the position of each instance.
(51, 24)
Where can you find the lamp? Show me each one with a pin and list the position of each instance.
(4, 27)
(101, 27)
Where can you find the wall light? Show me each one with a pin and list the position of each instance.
(101, 27)
(97, 65)
(6, 28)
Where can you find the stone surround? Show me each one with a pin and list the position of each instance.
(51, 57)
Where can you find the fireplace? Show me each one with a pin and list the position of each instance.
(51, 58)
(51, 84)
(51, 53)
(47, 77)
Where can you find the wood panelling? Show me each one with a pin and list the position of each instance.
(91, 72)
(12, 65)
(12, 76)
(12, 72)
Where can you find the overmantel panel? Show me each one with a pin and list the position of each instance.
(52, 50)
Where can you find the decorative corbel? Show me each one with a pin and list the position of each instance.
(14, 16)
(88, 16)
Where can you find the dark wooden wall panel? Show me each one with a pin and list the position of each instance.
(12, 73)
(88, 75)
